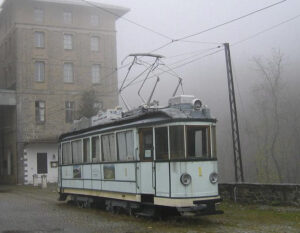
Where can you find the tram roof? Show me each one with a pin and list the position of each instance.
(146, 117)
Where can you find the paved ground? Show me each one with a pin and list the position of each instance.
(24, 209)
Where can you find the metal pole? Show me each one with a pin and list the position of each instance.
(238, 166)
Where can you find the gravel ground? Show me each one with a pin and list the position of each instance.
(25, 209)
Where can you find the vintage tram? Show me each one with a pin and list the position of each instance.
(147, 161)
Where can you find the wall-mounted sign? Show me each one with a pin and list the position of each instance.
(54, 164)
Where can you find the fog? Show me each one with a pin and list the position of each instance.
(206, 78)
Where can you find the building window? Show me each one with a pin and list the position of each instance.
(40, 112)
(67, 17)
(38, 15)
(68, 72)
(69, 111)
(39, 72)
(95, 73)
(94, 20)
(94, 43)
(39, 39)
(42, 165)
(68, 41)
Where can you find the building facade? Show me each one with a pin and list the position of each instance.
(51, 52)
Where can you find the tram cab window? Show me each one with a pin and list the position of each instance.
(214, 142)
(66, 153)
(146, 144)
(109, 147)
(177, 142)
(77, 151)
(198, 141)
(125, 146)
(86, 150)
(95, 149)
(161, 143)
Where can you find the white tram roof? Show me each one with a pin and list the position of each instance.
(146, 117)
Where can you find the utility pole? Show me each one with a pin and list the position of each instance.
(238, 165)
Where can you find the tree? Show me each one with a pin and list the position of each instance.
(268, 126)
(89, 105)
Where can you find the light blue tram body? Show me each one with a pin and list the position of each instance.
(156, 157)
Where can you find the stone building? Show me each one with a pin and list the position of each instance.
(50, 52)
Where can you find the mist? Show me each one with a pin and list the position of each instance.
(255, 36)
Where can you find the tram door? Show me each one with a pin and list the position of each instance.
(145, 167)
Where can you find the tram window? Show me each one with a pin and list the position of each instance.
(95, 149)
(214, 141)
(108, 147)
(161, 143)
(77, 151)
(146, 144)
(67, 155)
(86, 150)
(125, 146)
(198, 141)
(177, 142)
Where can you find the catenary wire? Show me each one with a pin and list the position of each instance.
(217, 26)
(128, 20)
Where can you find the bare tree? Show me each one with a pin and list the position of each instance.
(268, 95)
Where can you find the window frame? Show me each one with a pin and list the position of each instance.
(39, 39)
(39, 71)
(95, 20)
(38, 109)
(89, 155)
(114, 146)
(68, 41)
(69, 110)
(67, 78)
(95, 44)
(67, 17)
(208, 143)
(96, 159)
(96, 79)
(62, 153)
(133, 145)
(38, 15)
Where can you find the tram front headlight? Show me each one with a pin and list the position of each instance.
(185, 179)
(213, 178)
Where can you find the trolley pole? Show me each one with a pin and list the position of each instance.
(238, 165)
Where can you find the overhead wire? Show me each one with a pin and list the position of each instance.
(217, 26)
(128, 20)
(265, 30)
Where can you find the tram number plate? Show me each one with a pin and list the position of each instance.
(199, 171)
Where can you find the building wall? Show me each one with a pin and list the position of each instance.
(18, 55)
(30, 161)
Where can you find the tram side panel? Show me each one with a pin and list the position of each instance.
(105, 177)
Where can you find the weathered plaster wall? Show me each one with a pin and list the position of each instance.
(30, 162)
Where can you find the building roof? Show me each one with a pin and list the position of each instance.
(118, 10)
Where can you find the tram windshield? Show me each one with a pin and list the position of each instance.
(198, 141)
